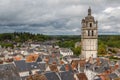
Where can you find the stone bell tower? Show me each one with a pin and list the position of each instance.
(89, 36)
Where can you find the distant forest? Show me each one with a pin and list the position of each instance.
(22, 37)
(7, 39)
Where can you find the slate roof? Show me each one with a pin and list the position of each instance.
(119, 70)
(52, 76)
(99, 69)
(98, 79)
(113, 76)
(39, 72)
(36, 65)
(67, 75)
(51, 60)
(30, 50)
(8, 72)
(42, 66)
(39, 59)
(32, 65)
(62, 68)
(21, 65)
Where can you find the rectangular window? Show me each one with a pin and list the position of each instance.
(90, 24)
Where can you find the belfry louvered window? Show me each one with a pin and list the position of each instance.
(88, 32)
(90, 24)
(92, 33)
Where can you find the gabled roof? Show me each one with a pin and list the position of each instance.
(42, 66)
(62, 67)
(36, 65)
(39, 59)
(32, 65)
(52, 76)
(53, 67)
(113, 76)
(21, 65)
(8, 72)
(82, 76)
(67, 75)
(99, 69)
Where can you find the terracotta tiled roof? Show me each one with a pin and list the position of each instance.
(117, 79)
(74, 63)
(82, 76)
(82, 63)
(104, 77)
(53, 67)
(37, 77)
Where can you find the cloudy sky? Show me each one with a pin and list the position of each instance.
(58, 17)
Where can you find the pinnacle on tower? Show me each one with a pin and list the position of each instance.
(89, 11)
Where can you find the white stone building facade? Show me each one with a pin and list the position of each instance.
(66, 52)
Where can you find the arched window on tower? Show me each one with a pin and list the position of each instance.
(88, 32)
(90, 24)
(92, 33)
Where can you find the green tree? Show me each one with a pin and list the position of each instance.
(102, 49)
(77, 50)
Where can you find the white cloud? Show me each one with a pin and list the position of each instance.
(56, 16)
(108, 10)
(106, 27)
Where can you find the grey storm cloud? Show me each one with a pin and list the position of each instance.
(57, 17)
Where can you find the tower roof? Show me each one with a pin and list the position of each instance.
(89, 17)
